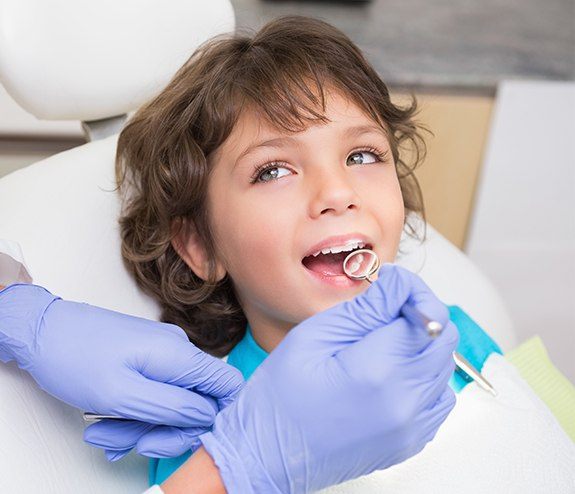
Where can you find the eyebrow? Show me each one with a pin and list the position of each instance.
(278, 142)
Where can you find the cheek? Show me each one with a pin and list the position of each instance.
(387, 201)
(395, 205)
(257, 251)
(250, 238)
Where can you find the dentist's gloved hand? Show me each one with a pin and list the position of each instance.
(115, 364)
(350, 390)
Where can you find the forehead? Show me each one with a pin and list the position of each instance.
(253, 125)
(338, 110)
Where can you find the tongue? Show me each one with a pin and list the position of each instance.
(326, 264)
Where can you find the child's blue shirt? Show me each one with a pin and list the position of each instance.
(474, 344)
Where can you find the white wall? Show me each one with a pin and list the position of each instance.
(522, 233)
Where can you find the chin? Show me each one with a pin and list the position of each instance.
(330, 302)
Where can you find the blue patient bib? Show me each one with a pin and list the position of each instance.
(474, 344)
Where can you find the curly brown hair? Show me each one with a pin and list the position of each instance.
(163, 154)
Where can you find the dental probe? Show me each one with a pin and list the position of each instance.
(434, 328)
(466, 367)
(369, 261)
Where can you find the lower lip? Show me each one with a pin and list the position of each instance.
(341, 281)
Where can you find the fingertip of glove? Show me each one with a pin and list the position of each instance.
(90, 436)
(176, 330)
(113, 456)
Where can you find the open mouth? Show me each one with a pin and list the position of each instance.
(329, 264)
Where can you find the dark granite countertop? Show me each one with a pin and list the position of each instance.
(452, 45)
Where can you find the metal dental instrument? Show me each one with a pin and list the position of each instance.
(94, 417)
(362, 264)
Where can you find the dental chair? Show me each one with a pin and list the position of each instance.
(96, 62)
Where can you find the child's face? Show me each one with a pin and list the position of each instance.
(318, 188)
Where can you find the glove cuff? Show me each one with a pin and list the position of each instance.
(21, 309)
(240, 471)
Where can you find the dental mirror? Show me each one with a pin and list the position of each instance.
(361, 264)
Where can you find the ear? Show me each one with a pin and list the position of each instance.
(187, 244)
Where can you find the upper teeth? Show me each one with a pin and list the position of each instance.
(349, 246)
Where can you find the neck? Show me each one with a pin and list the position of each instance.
(268, 334)
(266, 339)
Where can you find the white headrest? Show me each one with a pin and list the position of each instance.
(87, 60)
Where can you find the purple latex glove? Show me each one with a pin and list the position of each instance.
(110, 363)
(350, 390)
(118, 438)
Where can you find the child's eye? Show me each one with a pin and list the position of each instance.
(268, 172)
(357, 159)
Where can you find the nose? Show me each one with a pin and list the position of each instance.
(333, 192)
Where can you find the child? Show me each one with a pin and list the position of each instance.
(249, 178)
(218, 235)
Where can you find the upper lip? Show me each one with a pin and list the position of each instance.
(338, 240)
